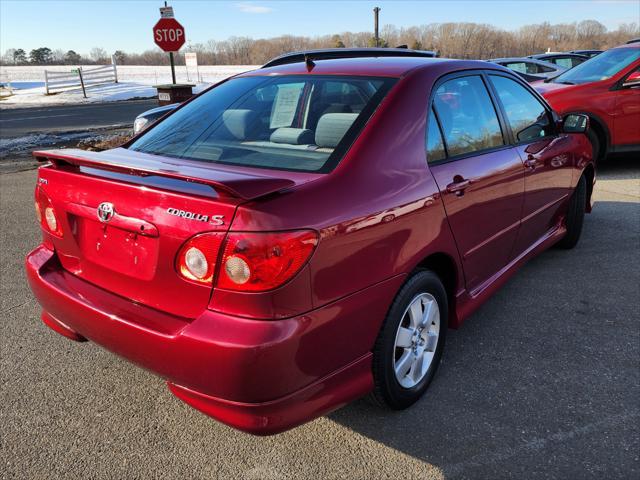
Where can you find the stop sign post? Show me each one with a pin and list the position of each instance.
(169, 35)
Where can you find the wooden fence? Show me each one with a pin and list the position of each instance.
(5, 85)
(79, 77)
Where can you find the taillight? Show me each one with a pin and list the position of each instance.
(196, 260)
(256, 262)
(46, 214)
(50, 218)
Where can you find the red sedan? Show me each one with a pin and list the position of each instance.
(607, 89)
(302, 235)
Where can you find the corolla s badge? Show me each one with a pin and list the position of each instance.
(213, 219)
(105, 211)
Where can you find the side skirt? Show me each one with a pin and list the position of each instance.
(469, 302)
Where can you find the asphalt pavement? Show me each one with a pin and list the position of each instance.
(18, 122)
(542, 382)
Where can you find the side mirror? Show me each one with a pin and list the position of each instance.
(633, 80)
(575, 123)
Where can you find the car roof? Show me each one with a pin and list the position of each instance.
(542, 56)
(331, 53)
(511, 59)
(372, 66)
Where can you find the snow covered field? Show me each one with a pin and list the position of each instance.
(27, 83)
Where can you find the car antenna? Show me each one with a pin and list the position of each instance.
(308, 62)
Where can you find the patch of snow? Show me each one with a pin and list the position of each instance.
(96, 94)
(12, 147)
(134, 82)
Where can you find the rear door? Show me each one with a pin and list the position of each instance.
(480, 176)
(548, 166)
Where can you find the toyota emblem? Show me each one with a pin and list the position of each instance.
(105, 211)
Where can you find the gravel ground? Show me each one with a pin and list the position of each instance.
(542, 382)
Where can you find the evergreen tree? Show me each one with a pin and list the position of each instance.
(19, 56)
(40, 55)
(72, 58)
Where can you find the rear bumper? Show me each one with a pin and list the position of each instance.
(258, 376)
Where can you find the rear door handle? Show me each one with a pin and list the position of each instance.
(531, 162)
(458, 186)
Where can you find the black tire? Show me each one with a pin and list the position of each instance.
(387, 391)
(575, 215)
(596, 144)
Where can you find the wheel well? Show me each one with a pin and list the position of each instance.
(445, 267)
(601, 133)
(589, 174)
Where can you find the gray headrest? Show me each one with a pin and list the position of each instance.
(332, 127)
(292, 136)
(238, 122)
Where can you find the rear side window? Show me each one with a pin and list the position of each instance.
(518, 67)
(467, 116)
(533, 68)
(289, 122)
(528, 118)
(435, 144)
(563, 62)
(527, 67)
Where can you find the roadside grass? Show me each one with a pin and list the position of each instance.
(104, 142)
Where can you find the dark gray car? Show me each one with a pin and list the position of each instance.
(531, 67)
(564, 60)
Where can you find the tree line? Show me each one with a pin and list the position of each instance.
(454, 40)
(46, 56)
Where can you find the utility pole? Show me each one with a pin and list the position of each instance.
(376, 12)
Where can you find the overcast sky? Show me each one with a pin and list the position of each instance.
(126, 25)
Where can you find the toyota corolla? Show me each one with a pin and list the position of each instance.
(304, 234)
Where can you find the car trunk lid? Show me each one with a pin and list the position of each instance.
(124, 218)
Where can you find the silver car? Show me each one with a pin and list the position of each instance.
(530, 67)
(566, 60)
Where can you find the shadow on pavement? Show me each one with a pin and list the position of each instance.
(543, 380)
(620, 167)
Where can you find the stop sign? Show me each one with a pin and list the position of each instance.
(168, 34)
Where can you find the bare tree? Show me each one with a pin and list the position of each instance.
(451, 39)
(99, 55)
(9, 57)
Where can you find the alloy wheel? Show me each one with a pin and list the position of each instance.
(416, 340)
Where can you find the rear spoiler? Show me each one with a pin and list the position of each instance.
(235, 184)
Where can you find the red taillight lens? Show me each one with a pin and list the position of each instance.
(255, 262)
(46, 214)
(196, 260)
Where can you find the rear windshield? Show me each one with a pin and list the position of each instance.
(302, 123)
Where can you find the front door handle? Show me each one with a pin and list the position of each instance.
(458, 186)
